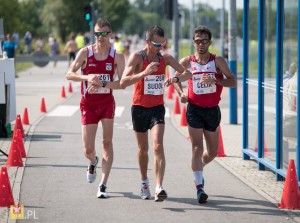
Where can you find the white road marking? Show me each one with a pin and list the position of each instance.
(167, 115)
(119, 111)
(64, 110)
(69, 110)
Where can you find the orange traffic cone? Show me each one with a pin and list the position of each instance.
(20, 143)
(221, 152)
(18, 125)
(63, 92)
(6, 196)
(25, 119)
(291, 195)
(14, 156)
(176, 108)
(170, 92)
(43, 106)
(183, 121)
(70, 89)
(266, 151)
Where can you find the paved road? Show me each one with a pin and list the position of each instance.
(54, 183)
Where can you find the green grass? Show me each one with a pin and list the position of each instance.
(23, 66)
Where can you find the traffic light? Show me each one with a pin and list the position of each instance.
(169, 9)
(88, 12)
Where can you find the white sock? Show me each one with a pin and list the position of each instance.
(198, 177)
(157, 187)
(145, 181)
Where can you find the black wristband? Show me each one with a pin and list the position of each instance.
(104, 83)
(177, 79)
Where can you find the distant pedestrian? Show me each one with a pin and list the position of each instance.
(54, 51)
(28, 43)
(79, 39)
(289, 73)
(51, 40)
(10, 46)
(71, 48)
(39, 44)
(118, 45)
(290, 107)
(205, 85)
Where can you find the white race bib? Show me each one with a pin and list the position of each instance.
(102, 90)
(201, 88)
(154, 84)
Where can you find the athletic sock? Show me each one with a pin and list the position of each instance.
(198, 177)
(145, 181)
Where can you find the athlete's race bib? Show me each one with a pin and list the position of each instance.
(154, 84)
(102, 90)
(203, 88)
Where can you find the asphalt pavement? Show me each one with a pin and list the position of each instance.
(52, 184)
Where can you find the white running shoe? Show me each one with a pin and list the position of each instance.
(91, 171)
(145, 192)
(102, 191)
(160, 194)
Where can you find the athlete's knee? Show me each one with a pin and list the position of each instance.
(197, 150)
(212, 153)
(89, 151)
(143, 150)
(107, 143)
(158, 148)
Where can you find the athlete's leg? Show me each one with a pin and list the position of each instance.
(157, 133)
(196, 136)
(212, 145)
(143, 158)
(107, 148)
(88, 138)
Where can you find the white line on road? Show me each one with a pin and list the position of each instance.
(119, 111)
(64, 110)
(167, 115)
(69, 110)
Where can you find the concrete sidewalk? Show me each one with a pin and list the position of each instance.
(29, 94)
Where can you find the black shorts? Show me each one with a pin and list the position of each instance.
(145, 118)
(203, 118)
(72, 55)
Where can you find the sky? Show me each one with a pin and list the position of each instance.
(215, 3)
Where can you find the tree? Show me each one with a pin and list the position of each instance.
(31, 21)
(115, 11)
(147, 13)
(9, 13)
(64, 17)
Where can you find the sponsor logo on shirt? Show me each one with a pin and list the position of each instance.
(108, 66)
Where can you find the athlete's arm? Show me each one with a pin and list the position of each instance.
(182, 74)
(80, 62)
(119, 66)
(131, 73)
(222, 67)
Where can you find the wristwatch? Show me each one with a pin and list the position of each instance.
(177, 79)
(104, 83)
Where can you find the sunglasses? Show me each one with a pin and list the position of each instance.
(102, 34)
(203, 41)
(159, 44)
